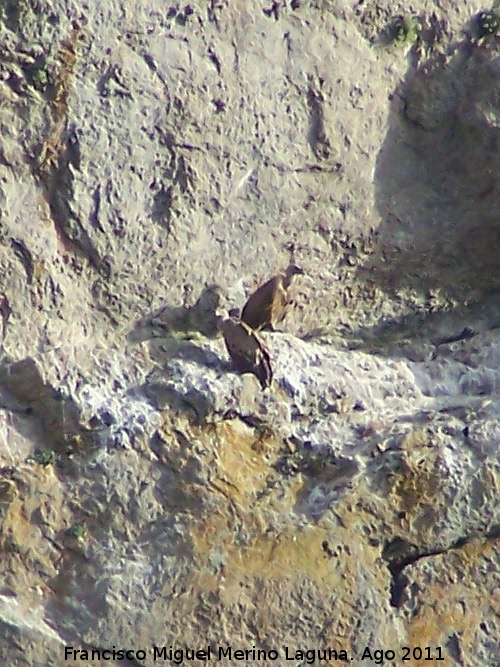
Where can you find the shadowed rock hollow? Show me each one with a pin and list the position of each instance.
(436, 177)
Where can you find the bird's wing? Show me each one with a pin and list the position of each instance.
(262, 362)
(241, 345)
(247, 352)
(280, 301)
(258, 309)
(265, 369)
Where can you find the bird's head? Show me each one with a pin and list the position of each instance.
(291, 271)
(294, 270)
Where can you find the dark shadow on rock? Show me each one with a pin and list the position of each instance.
(161, 211)
(50, 419)
(162, 350)
(182, 321)
(166, 396)
(421, 335)
(326, 478)
(437, 189)
(181, 332)
(181, 487)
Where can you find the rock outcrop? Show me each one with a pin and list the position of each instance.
(156, 161)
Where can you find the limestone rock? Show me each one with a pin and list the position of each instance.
(153, 159)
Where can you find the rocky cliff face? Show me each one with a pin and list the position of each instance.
(157, 163)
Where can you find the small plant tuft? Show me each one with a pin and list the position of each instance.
(77, 531)
(39, 79)
(486, 24)
(44, 457)
(405, 30)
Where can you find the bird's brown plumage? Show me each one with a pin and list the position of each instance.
(266, 307)
(247, 351)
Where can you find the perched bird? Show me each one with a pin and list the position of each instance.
(267, 305)
(247, 351)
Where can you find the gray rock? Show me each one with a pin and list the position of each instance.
(156, 163)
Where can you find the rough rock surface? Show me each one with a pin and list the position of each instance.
(157, 163)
